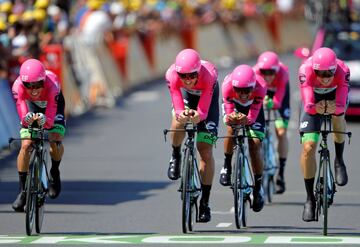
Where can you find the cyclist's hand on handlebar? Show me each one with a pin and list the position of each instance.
(194, 116)
(330, 106)
(183, 117)
(320, 107)
(30, 117)
(242, 119)
(41, 118)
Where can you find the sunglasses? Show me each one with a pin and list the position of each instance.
(325, 73)
(188, 75)
(244, 90)
(267, 71)
(34, 85)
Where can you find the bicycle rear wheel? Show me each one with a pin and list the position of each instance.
(30, 195)
(238, 190)
(186, 188)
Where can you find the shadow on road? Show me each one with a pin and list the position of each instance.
(92, 192)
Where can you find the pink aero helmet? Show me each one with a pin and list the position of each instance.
(268, 60)
(187, 61)
(243, 76)
(32, 70)
(324, 59)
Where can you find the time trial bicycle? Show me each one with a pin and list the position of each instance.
(325, 184)
(242, 181)
(190, 186)
(36, 186)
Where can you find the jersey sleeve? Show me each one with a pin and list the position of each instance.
(281, 87)
(175, 92)
(307, 92)
(259, 94)
(226, 88)
(21, 106)
(51, 106)
(342, 90)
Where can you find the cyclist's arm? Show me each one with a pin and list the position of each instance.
(205, 101)
(21, 105)
(279, 94)
(259, 94)
(51, 108)
(307, 92)
(342, 92)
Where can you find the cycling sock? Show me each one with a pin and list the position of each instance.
(282, 162)
(55, 166)
(258, 182)
(22, 180)
(339, 150)
(227, 161)
(205, 193)
(309, 186)
(176, 151)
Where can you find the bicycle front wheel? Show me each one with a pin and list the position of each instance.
(186, 197)
(30, 195)
(238, 190)
(40, 199)
(325, 166)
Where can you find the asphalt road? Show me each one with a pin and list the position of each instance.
(115, 188)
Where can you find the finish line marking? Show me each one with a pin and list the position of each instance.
(177, 239)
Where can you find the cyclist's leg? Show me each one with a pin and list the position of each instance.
(225, 173)
(339, 124)
(23, 160)
(177, 139)
(281, 126)
(206, 138)
(57, 149)
(257, 130)
(308, 161)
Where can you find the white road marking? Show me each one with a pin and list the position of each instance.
(223, 225)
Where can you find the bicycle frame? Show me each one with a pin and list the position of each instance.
(190, 187)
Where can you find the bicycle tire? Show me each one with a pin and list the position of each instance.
(325, 166)
(40, 198)
(237, 187)
(270, 188)
(185, 195)
(30, 195)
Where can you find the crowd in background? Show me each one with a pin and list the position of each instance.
(28, 28)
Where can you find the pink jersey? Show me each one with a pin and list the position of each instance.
(254, 102)
(310, 85)
(204, 88)
(278, 86)
(47, 99)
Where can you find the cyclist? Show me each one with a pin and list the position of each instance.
(39, 99)
(276, 76)
(243, 93)
(324, 89)
(194, 93)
